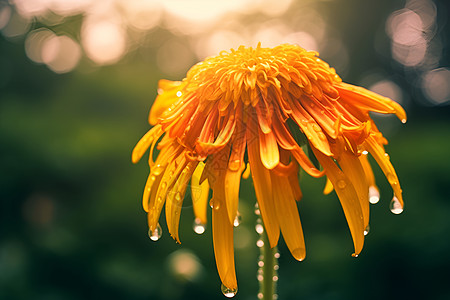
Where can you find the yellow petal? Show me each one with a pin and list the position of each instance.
(199, 193)
(383, 161)
(169, 92)
(263, 187)
(328, 187)
(287, 215)
(223, 239)
(270, 156)
(175, 198)
(352, 168)
(348, 198)
(145, 142)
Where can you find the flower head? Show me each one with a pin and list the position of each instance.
(268, 112)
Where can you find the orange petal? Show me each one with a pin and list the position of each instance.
(370, 101)
(328, 187)
(199, 193)
(348, 198)
(270, 156)
(223, 238)
(169, 92)
(145, 142)
(383, 161)
(175, 198)
(287, 215)
(351, 166)
(263, 186)
(310, 128)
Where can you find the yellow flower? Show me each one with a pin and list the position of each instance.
(271, 111)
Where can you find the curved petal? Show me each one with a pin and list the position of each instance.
(348, 197)
(169, 92)
(287, 215)
(145, 142)
(199, 193)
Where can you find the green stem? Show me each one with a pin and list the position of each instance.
(268, 266)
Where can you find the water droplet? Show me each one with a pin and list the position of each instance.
(178, 196)
(155, 234)
(227, 292)
(365, 152)
(179, 93)
(260, 264)
(259, 228)
(152, 178)
(234, 165)
(275, 296)
(160, 91)
(403, 121)
(395, 206)
(277, 255)
(367, 230)
(260, 295)
(341, 184)
(198, 226)
(237, 220)
(259, 243)
(276, 267)
(214, 204)
(387, 155)
(275, 278)
(257, 211)
(163, 185)
(354, 255)
(260, 277)
(374, 195)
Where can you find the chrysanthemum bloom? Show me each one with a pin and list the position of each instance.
(268, 112)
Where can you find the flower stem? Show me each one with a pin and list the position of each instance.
(268, 266)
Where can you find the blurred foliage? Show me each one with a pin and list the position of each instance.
(71, 222)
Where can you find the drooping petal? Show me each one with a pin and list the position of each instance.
(351, 166)
(383, 161)
(175, 197)
(199, 193)
(370, 101)
(263, 186)
(348, 197)
(287, 215)
(169, 92)
(223, 242)
(270, 156)
(145, 142)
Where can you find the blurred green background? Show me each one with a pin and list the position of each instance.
(77, 79)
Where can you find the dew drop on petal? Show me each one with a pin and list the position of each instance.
(341, 184)
(260, 295)
(367, 230)
(395, 206)
(365, 152)
(374, 195)
(155, 234)
(234, 165)
(227, 292)
(198, 226)
(214, 204)
(179, 93)
(277, 255)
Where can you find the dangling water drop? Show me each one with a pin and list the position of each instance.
(237, 220)
(227, 292)
(367, 230)
(395, 206)
(214, 204)
(374, 195)
(198, 226)
(155, 234)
